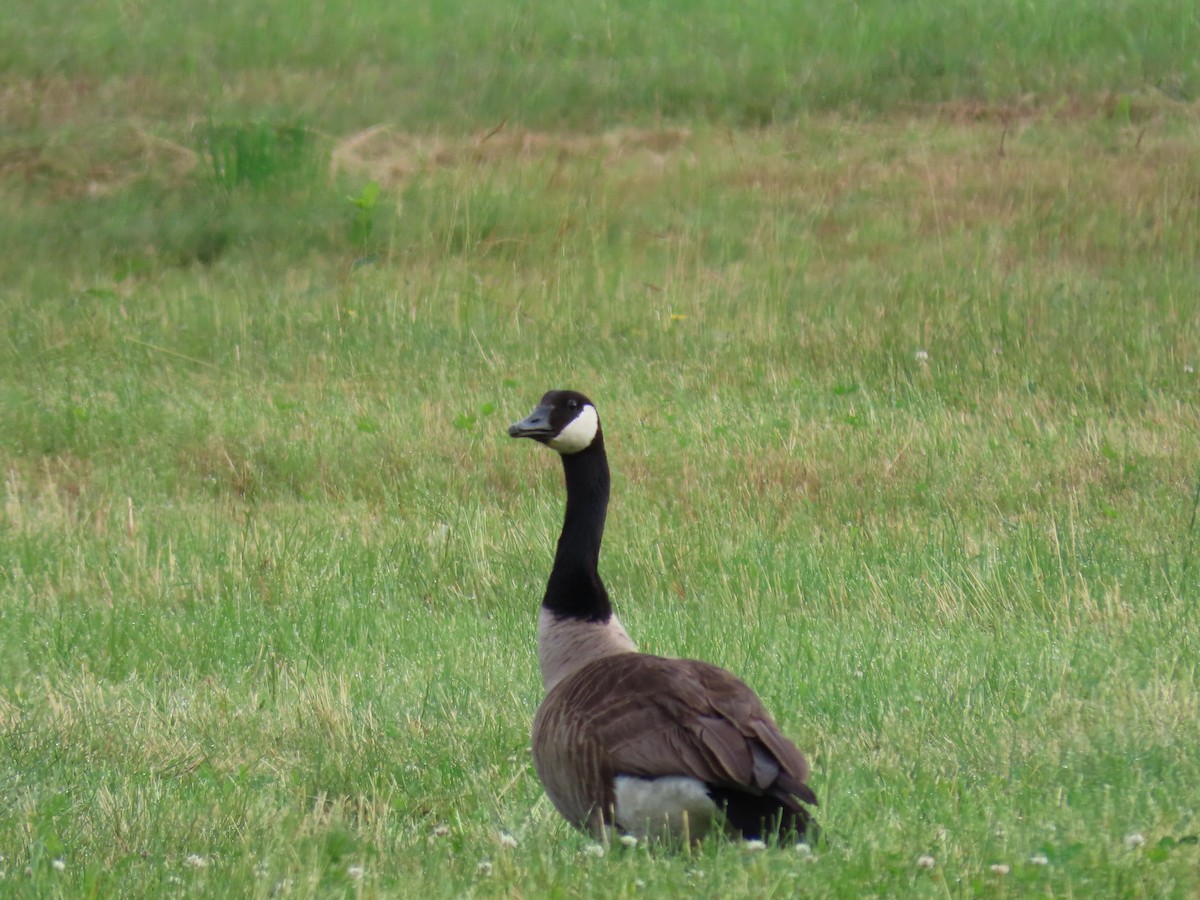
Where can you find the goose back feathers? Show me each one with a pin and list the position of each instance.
(644, 744)
(648, 717)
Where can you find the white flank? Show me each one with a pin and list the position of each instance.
(674, 804)
(579, 433)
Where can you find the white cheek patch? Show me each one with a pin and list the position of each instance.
(579, 433)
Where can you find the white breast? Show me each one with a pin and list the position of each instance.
(674, 804)
(566, 644)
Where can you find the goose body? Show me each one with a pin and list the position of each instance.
(645, 744)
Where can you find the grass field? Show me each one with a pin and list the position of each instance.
(891, 313)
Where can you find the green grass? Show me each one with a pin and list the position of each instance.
(899, 384)
(469, 62)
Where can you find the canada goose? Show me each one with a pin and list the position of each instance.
(646, 744)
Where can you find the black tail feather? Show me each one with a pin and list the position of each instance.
(759, 817)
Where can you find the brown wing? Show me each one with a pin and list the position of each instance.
(648, 716)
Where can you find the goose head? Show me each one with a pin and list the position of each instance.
(565, 421)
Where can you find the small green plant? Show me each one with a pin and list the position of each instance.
(470, 421)
(1122, 111)
(255, 155)
(362, 226)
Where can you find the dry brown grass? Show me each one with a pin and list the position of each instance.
(390, 156)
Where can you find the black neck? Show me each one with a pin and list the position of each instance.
(575, 589)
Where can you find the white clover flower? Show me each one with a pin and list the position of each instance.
(596, 850)
(59, 865)
(754, 846)
(196, 861)
(922, 356)
(999, 869)
(628, 840)
(1190, 369)
(355, 872)
(441, 830)
(1134, 840)
(803, 850)
(1039, 859)
(926, 861)
(506, 840)
(484, 868)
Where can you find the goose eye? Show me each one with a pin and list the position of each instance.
(572, 404)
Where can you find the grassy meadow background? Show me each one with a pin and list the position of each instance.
(891, 311)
